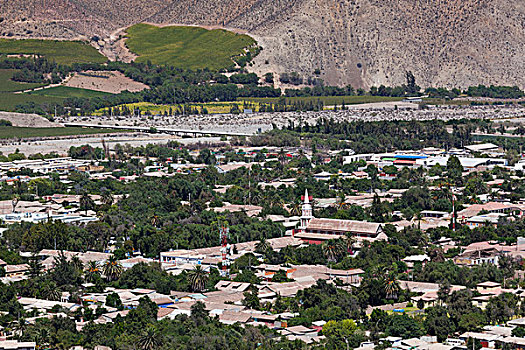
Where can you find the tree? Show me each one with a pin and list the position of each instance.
(198, 278)
(411, 87)
(149, 340)
(473, 344)
(438, 323)
(475, 186)
(251, 298)
(391, 287)
(454, 168)
(333, 249)
(86, 202)
(51, 292)
(91, 272)
(378, 209)
(403, 326)
(280, 276)
(112, 268)
(262, 246)
(518, 332)
(35, 266)
(444, 291)
(339, 329)
(113, 300)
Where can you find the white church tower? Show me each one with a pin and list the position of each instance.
(307, 212)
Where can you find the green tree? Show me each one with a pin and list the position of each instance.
(454, 168)
(438, 323)
(339, 329)
(198, 278)
(112, 268)
(251, 298)
(149, 340)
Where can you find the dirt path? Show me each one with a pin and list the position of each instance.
(63, 82)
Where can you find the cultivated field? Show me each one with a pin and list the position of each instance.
(13, 132)
(186, 47)
(8, 85)
(61, 52)
(9, 101)
(67, 92)
(112, 82)
(212, 107)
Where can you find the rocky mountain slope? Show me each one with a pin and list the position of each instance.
(358, 42)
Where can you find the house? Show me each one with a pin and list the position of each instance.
(488, 255)
(485, 148)
(494, 219)
(16, 270)
(15, 345)
(491, 208)
(250, 210)
(487, 340)
(488, 287)
(416, 259)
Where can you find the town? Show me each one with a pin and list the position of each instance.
(323, 234)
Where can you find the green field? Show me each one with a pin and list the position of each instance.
(61, 52)
(66, 92)
(8, 85)
(11, 132)
(186, 47)
(327, 100)
(9, 101)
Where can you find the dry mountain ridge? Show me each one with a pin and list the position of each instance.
(361, 42)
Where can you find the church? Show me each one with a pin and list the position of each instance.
(317, 231)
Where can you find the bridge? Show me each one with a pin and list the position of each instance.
(163, 130)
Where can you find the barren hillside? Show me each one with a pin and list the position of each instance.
(362, 42)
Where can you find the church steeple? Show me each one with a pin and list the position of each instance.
(307, 212)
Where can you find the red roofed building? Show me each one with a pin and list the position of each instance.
(316, 231)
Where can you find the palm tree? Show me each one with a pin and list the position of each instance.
(295, 208)
(149, 340)
(51, 292)
(107, 197)
(112, 268)
(333, 249)
(348, 242)
(41, 337)
(19, 327)
(91, 271)
(86, 202)
(262, 246)
(198, 278)
(76, 263)
(391, 287)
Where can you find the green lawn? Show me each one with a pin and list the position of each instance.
(8, 85)
(66, 92)
(9, 132)
(186, 47)
(327, 100)
(61, 52)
